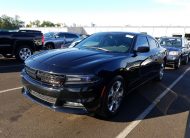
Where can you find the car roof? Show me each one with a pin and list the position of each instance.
(170, 37)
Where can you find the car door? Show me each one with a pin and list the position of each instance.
(145, 59)
(70, 37)
(60, 40)
(156, 55)
(5, 42)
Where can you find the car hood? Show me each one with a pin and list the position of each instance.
(172, 48)
(72, 58)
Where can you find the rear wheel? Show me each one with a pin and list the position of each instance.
(178, 64)
(23, 52)
(112, 97)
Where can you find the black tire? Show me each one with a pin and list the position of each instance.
(186, 61)
(178, 64)
(23, 52)
(49, 46)
(112, 99)
(160, 73)
(7, 55)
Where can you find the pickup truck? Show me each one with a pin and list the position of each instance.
(21, 44)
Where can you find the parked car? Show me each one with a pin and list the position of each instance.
(178, 50)
(20, 44)
(76, 41)
(95, 75)
(49, 35)
(58, 40)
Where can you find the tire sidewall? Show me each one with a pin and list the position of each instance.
(104, 100)
(177, 64)
(17, 55)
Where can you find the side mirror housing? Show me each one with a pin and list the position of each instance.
(56, 36)
(142, 49)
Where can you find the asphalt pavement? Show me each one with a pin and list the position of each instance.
(145, 113)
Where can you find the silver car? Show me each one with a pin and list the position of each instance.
(58, 40)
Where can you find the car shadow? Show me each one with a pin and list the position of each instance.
(136, 102)
(8, 65)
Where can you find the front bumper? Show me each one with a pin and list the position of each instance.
(75, 99)
(172, 59)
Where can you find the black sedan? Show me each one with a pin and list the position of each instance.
(178, 50)
(94, 76)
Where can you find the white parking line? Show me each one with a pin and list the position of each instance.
(3, 91)
(133, 124)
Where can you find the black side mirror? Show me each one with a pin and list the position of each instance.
(142, 49)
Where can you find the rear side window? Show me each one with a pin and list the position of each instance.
(141, 41)
(71, 36)
(153, 44)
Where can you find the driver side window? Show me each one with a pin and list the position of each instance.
(142, 41)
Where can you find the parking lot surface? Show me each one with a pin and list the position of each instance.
(140, 116)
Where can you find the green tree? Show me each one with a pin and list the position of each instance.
(10, 23)
(47, 24)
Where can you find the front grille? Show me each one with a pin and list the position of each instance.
(31, 72)
(45, 98)
(45, 77)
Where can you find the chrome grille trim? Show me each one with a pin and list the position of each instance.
(45, 98)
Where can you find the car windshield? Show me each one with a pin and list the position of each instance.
(49, 35)
(112, 42)
(171, 42)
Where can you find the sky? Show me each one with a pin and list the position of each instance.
(100, 12)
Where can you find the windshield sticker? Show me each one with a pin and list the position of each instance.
(129, 36)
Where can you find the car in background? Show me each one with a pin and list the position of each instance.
(95, 75)
(58, 40)
(178, 50)
(49, 35)
(20, 43)
(76, 41)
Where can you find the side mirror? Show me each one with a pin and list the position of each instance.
(142, 49)
(56, 36)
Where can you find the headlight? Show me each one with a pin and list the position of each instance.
(52, 79)
(81, 79)
(173, 53)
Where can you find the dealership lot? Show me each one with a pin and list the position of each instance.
(19, 117)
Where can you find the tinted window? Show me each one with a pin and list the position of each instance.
(62, 35)
(171, 42)
(141, 41)
(71, 36)
(153, 44)
(108, 42)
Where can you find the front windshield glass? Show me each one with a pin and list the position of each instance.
(49, 35)
(171, 42)
(112, 42)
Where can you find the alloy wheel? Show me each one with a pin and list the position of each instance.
(161, 73)
(179, 62)
(115, 96)
(24, 53)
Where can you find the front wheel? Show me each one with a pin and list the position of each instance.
(178, 64)
(49, 46)
(22, 53)
(112, 97)
(186, 60)
(161, 72)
